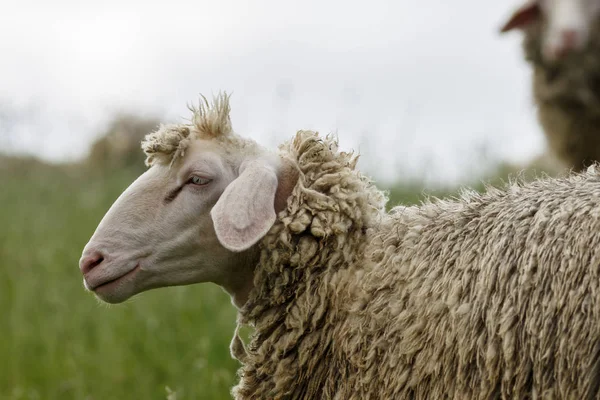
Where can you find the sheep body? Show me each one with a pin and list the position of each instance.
(493, 295)
(487, 296)
(566, 92)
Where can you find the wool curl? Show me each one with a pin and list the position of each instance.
(493, 295)
(567, 95)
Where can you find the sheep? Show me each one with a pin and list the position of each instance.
(118, 146)
(493, 295)
(562, 43)
(558, 27)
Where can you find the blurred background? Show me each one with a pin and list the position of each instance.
(429, 93)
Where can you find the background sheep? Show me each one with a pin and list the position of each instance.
(493, 295)
(562, 43)
(118, 146)
(560, 26)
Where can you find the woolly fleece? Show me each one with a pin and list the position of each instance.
(493, 295)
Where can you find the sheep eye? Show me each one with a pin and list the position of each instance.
(196, 180)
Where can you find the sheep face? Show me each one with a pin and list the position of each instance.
(566, 24)
(197, 220)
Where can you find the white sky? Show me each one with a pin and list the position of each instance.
(417, 87)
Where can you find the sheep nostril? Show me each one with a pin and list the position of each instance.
(90, 262)
(96, 262)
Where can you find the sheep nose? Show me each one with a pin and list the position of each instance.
(90, 261)
(568, 42)
(569, 38)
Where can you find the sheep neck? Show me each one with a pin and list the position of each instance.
(307, 269)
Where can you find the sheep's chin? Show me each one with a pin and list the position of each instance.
(117, 291)
(113, 298)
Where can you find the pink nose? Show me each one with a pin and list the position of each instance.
(90, 261)
(569, 39)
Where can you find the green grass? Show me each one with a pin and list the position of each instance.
(59, 342)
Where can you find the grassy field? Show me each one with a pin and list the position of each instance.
(59, 342)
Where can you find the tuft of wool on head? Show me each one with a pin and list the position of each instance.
(208, 121)
(212, 121)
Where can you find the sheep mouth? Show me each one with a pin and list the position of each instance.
(114, 281)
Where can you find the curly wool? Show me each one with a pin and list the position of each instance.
(304, 257)
(487, 296)
(567, 95)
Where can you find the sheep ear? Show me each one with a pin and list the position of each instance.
(524, 16)
(245, 211)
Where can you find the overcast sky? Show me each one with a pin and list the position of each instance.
(419, 87)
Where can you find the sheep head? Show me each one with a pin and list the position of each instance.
(195, 215)
(566, 24)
